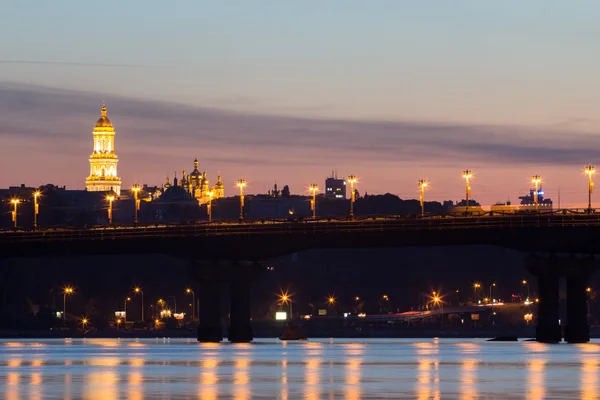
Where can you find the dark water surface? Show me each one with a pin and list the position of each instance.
(317, 369)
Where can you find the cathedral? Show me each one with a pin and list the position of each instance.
(103, 161)
(196, 185)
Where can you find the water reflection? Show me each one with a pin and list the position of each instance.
(428, 380)
(100, 385)
(284, 380)
(35, 386)
(535, 383)
(241, 389)
(312, 378)
(468, 379)
(209, 379)
(589, 380)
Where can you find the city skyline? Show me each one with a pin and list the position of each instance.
(387, 102)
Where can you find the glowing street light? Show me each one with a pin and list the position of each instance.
(210, 195)
(476, 287)
(331, 300)
(138, 290)
(352, 180)
(15, 203)
(491, 286)
(524, 282)
(536, 180)
(67, 290)
(313, 188)
(467, 176)
(136, 189)
(422, 186)
(241, 183)
(286, 298)
(190, 291)
(110, 199)
(590, 170)
(125, 309)
(36, 207)
(84, 322)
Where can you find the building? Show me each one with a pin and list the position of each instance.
(197, 185)
(335, 188)
(528, 201)
(103, 161)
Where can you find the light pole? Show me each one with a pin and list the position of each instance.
(190, 291)
(285, 298)
(110, 199)
(136, 189)
(491, 286)
(352, 180)
(210, 195)
(422, 186)
(536, 180)
(15, 203)
(331, 300)
(313, 188)
(241, 183)
(125, 316)
(437, 300)
(526, 283)
(67, 290)
(467, 175)
(36, 207)
(476, 287)
(84, 322)
(590, 170)
(138, 290)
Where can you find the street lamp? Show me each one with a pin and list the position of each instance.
(467, 176)
(67, 290)
(476, 287)
(36, 207)
(491, 286)
(210, 195)
(84, 322)
(524, 282)
(536, 180)
(422, 186)
(241, 183)
(286, 298)
(190, 291)
(590, 170)
(15, 203)
(125, 307)
(138, 290)
(331, 300)
(313, 188)
(136, 189)
(110, 199)
(352, 180)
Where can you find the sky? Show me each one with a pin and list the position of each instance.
(392, 91)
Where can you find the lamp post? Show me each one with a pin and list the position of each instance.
(331, 300)
(476, 286)
(536, 180)
(422, 186)
(15, 203)
(84, 322)
(491, 286)
(190, 291)
(136, 189)
(241, 183)
(67, 290)
(590, 170)
(285, 298)
(467, 176)
(138, 290)
(36, 207)
(210, 195)
(125, 307)
(437, 301)
(526, 283)
(313, 188)
(352, 180)
(110, 199)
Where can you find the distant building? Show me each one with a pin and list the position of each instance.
(103, 161)
(335, 188)
(528, 201)
(197, 186)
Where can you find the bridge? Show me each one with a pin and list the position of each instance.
(232, 252)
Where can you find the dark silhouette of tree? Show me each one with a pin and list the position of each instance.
(285, 192)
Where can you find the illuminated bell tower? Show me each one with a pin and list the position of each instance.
(103, 161)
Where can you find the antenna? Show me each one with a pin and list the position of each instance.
(559, 198)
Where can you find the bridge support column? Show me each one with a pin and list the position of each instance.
(548, 329)
(209, 325)
(577, 330)
(240, 328)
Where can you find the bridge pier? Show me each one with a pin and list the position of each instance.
(209, 324)
(577, 329)
(240, 328)
(548, 329)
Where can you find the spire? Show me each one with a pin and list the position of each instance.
(103, 110)
(195, 164)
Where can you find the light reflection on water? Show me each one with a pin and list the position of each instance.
(318, 369)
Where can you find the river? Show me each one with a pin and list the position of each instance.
(316, 369)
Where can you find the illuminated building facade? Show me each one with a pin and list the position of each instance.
(103, 161)
(335, 188)
(197, 185)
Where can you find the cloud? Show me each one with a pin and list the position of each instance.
(154, 137)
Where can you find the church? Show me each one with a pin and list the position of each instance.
(196, 185)
(103, 161)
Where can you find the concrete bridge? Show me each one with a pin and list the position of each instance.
(560, 245)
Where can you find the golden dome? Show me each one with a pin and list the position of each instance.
(103, 122)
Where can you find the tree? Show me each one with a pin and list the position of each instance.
(285, 192)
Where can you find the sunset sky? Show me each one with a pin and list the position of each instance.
(392, 91)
